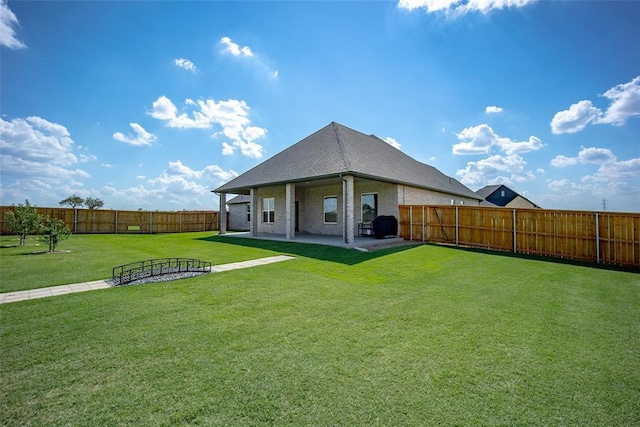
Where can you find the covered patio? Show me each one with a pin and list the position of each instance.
(359, 243)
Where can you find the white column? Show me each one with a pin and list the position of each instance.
(290, 211)
(223, 214)
(348, 207)
(255, 212)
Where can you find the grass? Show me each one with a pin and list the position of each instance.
(420, 336)
(91, 257)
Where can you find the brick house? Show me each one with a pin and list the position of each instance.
(330, 182)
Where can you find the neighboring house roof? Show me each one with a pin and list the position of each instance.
(338, 150)
(493, 194)
(240, 199)
(487, 191)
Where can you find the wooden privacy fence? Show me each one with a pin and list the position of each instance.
(86, 221)
(602, 237)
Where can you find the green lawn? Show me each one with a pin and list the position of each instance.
(423, 335)
(86, 257)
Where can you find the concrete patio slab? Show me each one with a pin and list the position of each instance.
(360, 243)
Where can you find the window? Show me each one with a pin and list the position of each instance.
(501, 193)
(331, 210)
(369, 206)
(268, 210)
(248, 213)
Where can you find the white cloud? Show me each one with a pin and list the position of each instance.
(35, 152)
(258, 61)
(164, 109)
(492, 109)
(475, 140)
(589, 155)
(86, 158)
(576, 118)
(232, 116)
(185, 64)
(392, 142)
(482, 138)
(212, 172)
(37, 140)
(8, 22)
(625, 103)
(596, 155)
(227, 149)
(495, 169)
(613, 177)
(561, 161)
(249, 149)
(141, 138)
(618, 196)
(234, 48)
(461, 6)
(23, 168)
(179, 186)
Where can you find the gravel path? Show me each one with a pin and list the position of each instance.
(159, 278)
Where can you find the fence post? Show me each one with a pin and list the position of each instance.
(180, 220)
(428, 224)
(514, 231)
(423, 223)
(456, 225)
(75, 221)
(411, 223)
(116, 222)
(597, 238)
(150, 222)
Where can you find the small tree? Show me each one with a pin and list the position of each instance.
(93, 203)
(23, 219)
(53, 231)
(72, 201)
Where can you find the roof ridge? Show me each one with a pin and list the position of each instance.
(343, 151)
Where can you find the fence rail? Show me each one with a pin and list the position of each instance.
(602, 237)
(88, 221)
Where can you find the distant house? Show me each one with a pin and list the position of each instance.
(240, 213)
(331, 181)
(501, 195)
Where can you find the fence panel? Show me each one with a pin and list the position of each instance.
(619, 238)
(612, 238)
(95, 221)
(86, 221)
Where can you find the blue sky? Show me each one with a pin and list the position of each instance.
(154, 104)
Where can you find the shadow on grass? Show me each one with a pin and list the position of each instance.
(566, 261)
(311, 250)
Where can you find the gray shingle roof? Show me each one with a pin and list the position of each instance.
(239, 199)
(337, 149)
(487, 190)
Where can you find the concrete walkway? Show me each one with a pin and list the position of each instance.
(8, 297)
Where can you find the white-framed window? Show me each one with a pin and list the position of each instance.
(249, 212)
(268, 210)
(331, 210)
(369, 206)
(453, 202)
